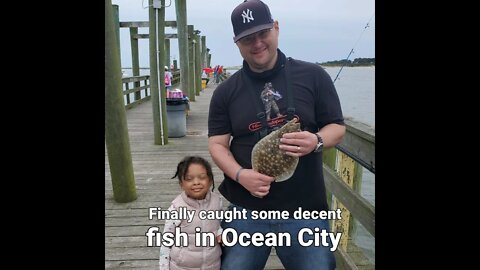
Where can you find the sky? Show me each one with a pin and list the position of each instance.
(310, 30)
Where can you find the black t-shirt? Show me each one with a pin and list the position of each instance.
(232, 110)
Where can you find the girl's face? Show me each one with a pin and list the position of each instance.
(196, 182)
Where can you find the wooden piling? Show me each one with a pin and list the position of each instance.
(198, 68)
(191, 64)
(204, 51)
(209, 59)
(162, 63)
(160, 134)
(345, 168)
(181, 12)
(329, 157)
(116, 24)
(167, 52)
(116, 131)
(135, 58)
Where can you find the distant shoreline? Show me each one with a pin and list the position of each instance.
(357, 62)
(322, 65)
(336, 65)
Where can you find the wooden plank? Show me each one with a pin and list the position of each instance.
(357, 255)
(171, 36)
(131, 213)
(136, 103)
(121, 221)
(131, 264)
(145, 24)
(359, 207)
(353, 258)
(346, 171)
(359, 143)
(130, 241)
(344, 261)
(136, 89)
(132, 253)
(146, 36)
(132, 79)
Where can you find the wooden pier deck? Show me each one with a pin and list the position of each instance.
(154, 165)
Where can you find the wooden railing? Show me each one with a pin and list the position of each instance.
(134, 92)
(343, 169)
(136, 89)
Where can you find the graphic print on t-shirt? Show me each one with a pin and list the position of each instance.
(269, 97)
(275, 119)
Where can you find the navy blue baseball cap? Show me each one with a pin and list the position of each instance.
(250, 17)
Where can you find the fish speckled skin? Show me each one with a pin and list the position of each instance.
(270, 160)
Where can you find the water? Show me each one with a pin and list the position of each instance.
(356, 90)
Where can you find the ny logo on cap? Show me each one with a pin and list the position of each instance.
(247, 14)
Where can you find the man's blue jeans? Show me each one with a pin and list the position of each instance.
(295, 256)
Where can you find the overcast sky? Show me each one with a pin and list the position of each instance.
(311, 30)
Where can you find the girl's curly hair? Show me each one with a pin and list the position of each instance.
(183, 165)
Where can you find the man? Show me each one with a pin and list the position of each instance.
(307, 93)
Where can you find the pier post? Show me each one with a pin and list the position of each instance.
(329, 157)
(167, 53)
(198, 68)
(116, 23)
(347, 169)
(191, 63)
(116, 131)
(204, 52)
(135, 58)
(160, 134)
(181, 12)
(209, 58)
(161, 67)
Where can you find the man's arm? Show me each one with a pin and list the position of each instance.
(258, 184)
(304, 142)
(332, 134)
(219, 149)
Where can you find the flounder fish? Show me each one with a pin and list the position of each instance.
(270, 160)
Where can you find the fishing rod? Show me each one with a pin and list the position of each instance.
(351, 51)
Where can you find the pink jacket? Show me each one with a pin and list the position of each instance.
(192, 257)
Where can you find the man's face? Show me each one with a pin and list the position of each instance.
(260, 49)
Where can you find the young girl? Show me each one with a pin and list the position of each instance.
(168, 79)
(195, 178)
